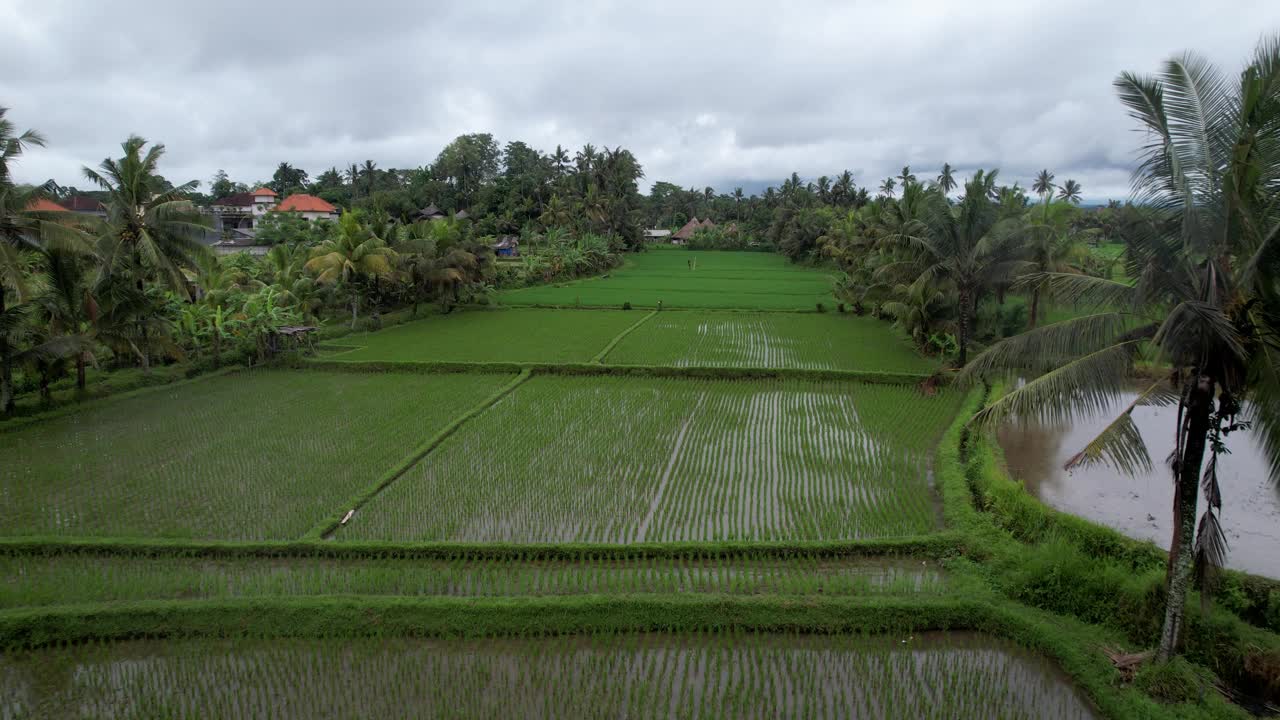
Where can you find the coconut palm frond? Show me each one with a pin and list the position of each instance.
(1045, 347)
(1192, 326)
(1081, 290)
(1085, 386)
(1210, 551)
(1264, 405)
(1120, 444)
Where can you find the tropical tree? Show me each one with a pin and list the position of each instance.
(886, 187)
(946, 179)
(1206, 302)
(1051, 246)
(152, 230)
(352, 256)
(967, 245)
(1043, 184)
(1070, 192)
(906, 176)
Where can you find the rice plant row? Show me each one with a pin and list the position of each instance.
(688, 279)
(622, 460)
(52, 580)
(721, 674)
(522, 335)
(257, 455)
(828, 341)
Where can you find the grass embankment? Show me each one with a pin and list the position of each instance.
(1045, 559)
(690, 279)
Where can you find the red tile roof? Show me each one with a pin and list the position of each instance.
(82, 203)
(305, 203)
(42, 205)
(264, 191)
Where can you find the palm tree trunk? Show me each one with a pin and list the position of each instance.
(1193, 437)
(217, 348)
(1035, 308)
(80, 380)
(965, 298)
(355, 308)
(6, 367)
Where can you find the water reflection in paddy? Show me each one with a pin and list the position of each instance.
(1141, 506)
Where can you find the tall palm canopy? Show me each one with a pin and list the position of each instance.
(1043, 184)
(1206, 301)
(353, 255)
(947, 179)
(152, 230)
(1070, 192)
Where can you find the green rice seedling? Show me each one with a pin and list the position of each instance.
(717, 674)
(251, 456)
(725, 279)
(43, 580)
(769, 340)
(621, 460)
(523, 335)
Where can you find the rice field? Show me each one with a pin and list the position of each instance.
(619, 460)
(680, 278)
(249, 456)
(54, 580)
(523, 335)
(722, 674)
(811, 341)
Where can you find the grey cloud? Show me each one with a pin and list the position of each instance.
(715, 93)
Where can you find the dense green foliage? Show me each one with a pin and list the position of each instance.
(703, 460)
(258, 455)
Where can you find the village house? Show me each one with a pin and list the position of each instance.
(684, 234)
(507, 246)
(657, 235)
(236, 217)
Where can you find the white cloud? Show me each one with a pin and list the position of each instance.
(716, 93)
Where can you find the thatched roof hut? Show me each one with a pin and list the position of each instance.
(686, 232)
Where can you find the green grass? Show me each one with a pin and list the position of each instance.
(830, 341)
(251, 456)
(60, 579)
(723, 674)
(720, 279)
(525, 335)
(621, 460)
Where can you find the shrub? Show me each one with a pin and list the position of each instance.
(1175, 681)
(821, 308)
(839, 307)
(626, 305)
(482, 300)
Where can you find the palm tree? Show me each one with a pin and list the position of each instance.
(906, 177)
(1043, 185)
(1051, 247)
(886, 187)
(69, 311)
(560, 160)
(1070, 191)
(967, 245)
(824, 189)
(946, 179)
(1206, 303)
(351, 256)
(16, 233)
(843, 191)
(353, 176)
(370, 174)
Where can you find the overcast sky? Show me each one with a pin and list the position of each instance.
(721, 94)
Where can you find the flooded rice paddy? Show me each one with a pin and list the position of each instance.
(1141, 506)
(636, 675)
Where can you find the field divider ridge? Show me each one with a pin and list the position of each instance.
(599, 369)
(600, 356)
(934, 546)
(329, 525)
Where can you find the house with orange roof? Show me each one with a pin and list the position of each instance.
(309, 206)
(43, 205)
